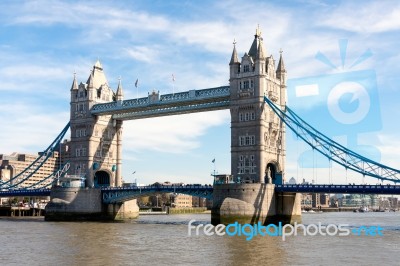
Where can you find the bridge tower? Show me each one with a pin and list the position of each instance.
(95, 145)
(257, 134)
(94, 152)
(257, 143)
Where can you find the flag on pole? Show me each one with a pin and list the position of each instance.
(173, 77)
(136, 83)
(213, 161)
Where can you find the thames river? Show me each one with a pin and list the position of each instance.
(164, 240)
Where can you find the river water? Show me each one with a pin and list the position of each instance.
(164, 240)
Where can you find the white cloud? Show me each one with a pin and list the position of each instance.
(172, 134)
(96, 15)
(143, 53)
(28, 128)
(390, 148)
(372, 17)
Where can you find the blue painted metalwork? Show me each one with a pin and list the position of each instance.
(19, 179)
(344, 189)
(169, 104)
(333, 150)
(25, 192)
(50, 179)
(121, 194)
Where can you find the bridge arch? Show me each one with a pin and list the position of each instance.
(273, 173)
(103, 178)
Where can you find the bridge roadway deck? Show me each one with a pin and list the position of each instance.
(25, 192)
(343, 189)
(118, 194)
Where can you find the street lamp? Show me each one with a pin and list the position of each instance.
(135, 178)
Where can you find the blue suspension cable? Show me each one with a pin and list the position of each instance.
(333, 150)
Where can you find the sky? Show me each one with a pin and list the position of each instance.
(42, 44)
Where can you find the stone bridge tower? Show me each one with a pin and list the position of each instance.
(94, 150)
(257, 134)
(257, 144)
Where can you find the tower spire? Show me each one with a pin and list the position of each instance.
(260, 50)
(254, 46)
(281, 65)
(234, 58)
(120, 94)
(90, 80)
(74, 83)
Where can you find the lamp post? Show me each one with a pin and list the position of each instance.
(135, 178)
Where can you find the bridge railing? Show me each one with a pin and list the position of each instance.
(337, 188)
(121, 194)
(191, 95)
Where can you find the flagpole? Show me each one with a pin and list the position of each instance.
(173, 84)
(213, 161)
(137, 88)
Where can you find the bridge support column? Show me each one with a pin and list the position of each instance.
(80, 204)
(118, 172)
(253, 203)
(123, 211)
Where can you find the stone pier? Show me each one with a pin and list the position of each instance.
(251, 203)
(80, 204)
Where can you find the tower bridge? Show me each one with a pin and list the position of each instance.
(256, 98)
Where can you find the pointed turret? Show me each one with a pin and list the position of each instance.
(234, 58)
(74, 83)
(260, 51)
(98, 65)
(120, 94)
(98, 77)
(234, 64)
(254, 47)
(281, 65)
(280, 70)
(90, 81)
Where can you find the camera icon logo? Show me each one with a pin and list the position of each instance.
(341, 104)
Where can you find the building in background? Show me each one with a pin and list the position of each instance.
(357, 200)
(181, 201)
(13, 164)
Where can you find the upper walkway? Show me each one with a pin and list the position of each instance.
(168, 104)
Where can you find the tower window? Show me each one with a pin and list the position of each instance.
(246, 68)
(247, 140)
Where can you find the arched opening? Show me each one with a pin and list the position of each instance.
(273, 174)
(270, 174)
(101, 179)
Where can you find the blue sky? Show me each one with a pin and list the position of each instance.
(42, 43)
